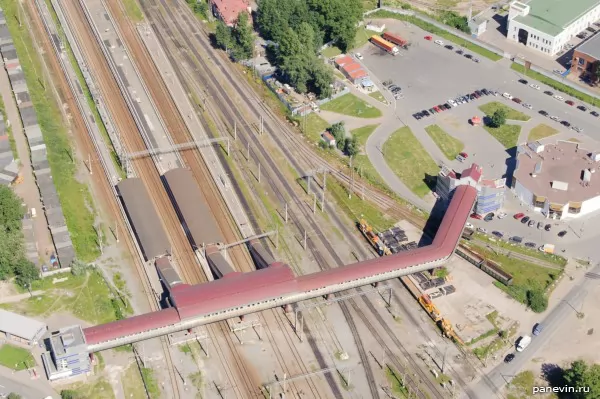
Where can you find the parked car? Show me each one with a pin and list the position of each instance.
(358, 56)
(540, 225)
(548, 227)
(509, 358)
(519, 215)
(425, 112)
(460, 51)
(464, 155)
(582, 108)
(417, 116)
(502, 215)
(453, 103)
(548, 92)
(429, 38)
(449, 47)
(517, 100)
(523, 81)
(476, 216)
(530, 244)
(543, 113)
(446, 105)
(489, 217)
(476, 60)
(528, 106)
(439, 42)
(441, 107)
(595, 114)
(562, 233)
(507, 95)
(495, 93)
(482, 230)
(565, 123)
(525, 219)
(537, 329)
(486, 92)
(555, 118)
(559, 98)
(534, 86)
(531, 223)
(479, 93)
(498, 234)
(571, 103)
(469, 56)
(469, 226)
(475, 95)
(516, 239)
(577, 129)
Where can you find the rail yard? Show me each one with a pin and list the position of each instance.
(252, 275)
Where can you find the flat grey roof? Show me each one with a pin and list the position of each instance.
(21, 326)
(591, 47)
(144, 218)
(191, 207)
(563, 162)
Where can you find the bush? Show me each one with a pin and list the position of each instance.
(536, 300)
(69, 394)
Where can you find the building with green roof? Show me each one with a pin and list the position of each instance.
(547, 25)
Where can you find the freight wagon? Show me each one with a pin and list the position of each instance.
(394, 38)
(384, 45)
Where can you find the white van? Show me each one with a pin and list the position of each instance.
(523, 343)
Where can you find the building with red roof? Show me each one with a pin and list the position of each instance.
(490, 193)
(228, 10)
(351, 69)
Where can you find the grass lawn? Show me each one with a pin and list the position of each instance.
(395, 380)
(151, 383)
(99, 389)
(378, 96)
(75, 198)
(362, 134)
(521, 385)
(439, 32)
(574, 140)
(541, 131)
(507, 135)
(312, 126)
(556, 85)
(86, 296)
(15, 357)
(525, 275)
(449, 145)
(350, 105)
(409, 160)
(133, 10)
(534, 253)
(331, 51)
(133, 385)
(511, 113)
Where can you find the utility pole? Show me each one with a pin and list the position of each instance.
(261, 125)
(304, 239)
(323, 195)
(286, 213)
(259, 172)
(248, 153)
(116, 231)
(314, 203)
(90, 163)
(235, 130)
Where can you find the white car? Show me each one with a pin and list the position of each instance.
(502, 215)
(528, 106)
(439, 42)
(559, 98)
(506, 95)
(577, 129)
(359, 56)
(469, 226)
(452, 102)
(555, 118)
(495, 93)
(534, 86)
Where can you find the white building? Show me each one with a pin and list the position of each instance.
(547, 25)
(559, 180)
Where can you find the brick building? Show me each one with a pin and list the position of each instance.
(586, 58)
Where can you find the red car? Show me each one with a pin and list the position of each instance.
(571, 103)
(428, 38)
(437, 109)
(476, 216)
(519, 216)
(464, 155)
(517, 100)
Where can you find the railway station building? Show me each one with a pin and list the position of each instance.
(558, 180)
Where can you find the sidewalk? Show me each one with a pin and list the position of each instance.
(28, 189)
(20, 382)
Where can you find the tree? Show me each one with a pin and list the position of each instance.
(537, 300)
(11, 251)
(69, 394)
(13, 395)
(581, 375)
(25, 272)
(11, 211)
(351, 146)
(223, 36)
(322, 79)
(455, 20)
(498, 118)
(243, 38)
(338, 131)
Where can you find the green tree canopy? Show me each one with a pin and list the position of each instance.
(537, 300)
(582, 375)
(13, 395)
(498, 118)
(11, 211)
(243, 37)
(223, 36)
(351, 146)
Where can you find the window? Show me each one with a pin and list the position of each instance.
(581, 61)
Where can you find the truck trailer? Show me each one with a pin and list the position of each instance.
(384, 45)
(394, 38)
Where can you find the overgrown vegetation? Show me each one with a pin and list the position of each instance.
(348, 145)
(74, 197)
(13, 262)
(151, 383)
(99, 389)
(300, 28)
(238, 40)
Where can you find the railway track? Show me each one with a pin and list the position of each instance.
(382, 199)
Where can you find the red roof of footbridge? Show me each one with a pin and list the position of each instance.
(129, 326)
(444, 243)
(235, 290)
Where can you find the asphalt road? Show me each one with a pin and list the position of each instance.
(28, 391)
(562, 315)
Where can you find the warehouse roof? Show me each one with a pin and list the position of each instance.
(591, 47)
(144, 219)
(553, 16)
(21, 326)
